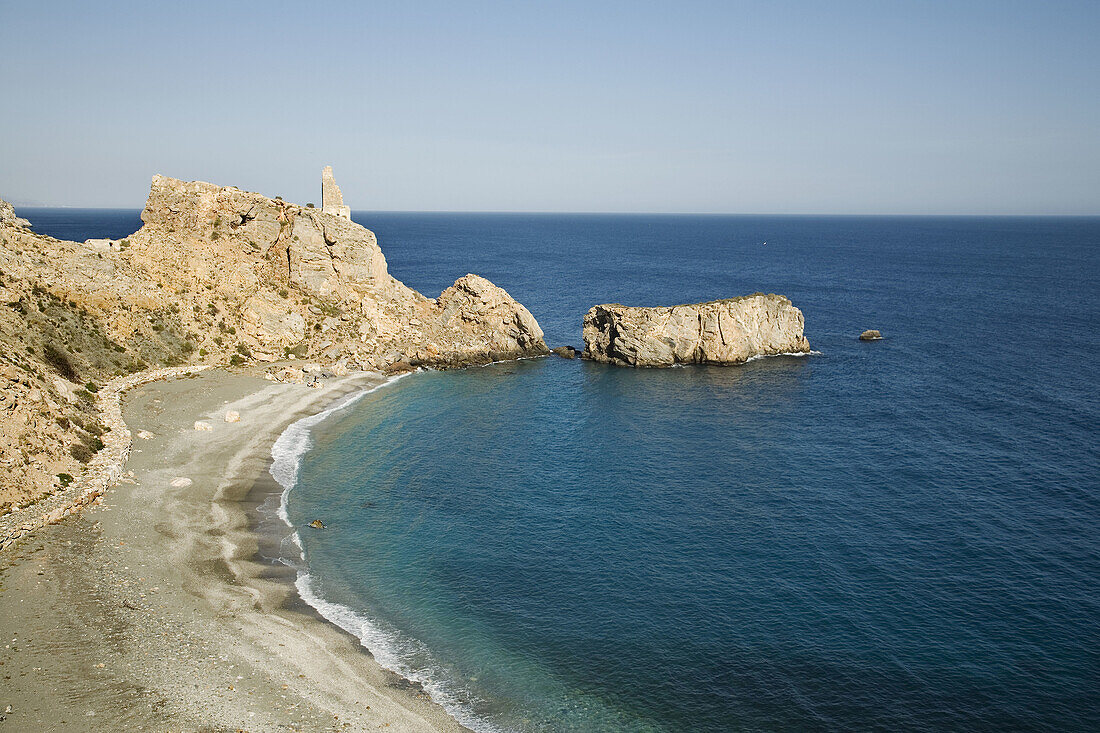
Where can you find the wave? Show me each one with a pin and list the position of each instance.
(389, 648)
(783, 353)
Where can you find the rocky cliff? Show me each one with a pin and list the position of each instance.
(215, 275)
(718, 332)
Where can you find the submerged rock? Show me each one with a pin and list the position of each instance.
(870, 335)
(730, 331)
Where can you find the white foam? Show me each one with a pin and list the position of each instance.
(391, 650)
(783, 353)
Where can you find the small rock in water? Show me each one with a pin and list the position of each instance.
(181, 482)
(565, 352)
(145, 435)
(200, 425)
(317, 524)
(232, 416)
(870, 335)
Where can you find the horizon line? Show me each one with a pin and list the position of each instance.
(544, 212)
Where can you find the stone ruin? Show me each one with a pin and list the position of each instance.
(332, 201)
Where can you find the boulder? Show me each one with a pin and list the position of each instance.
(724, 332)
(870, 335)
(317, 524)
(203, 426)
(232, 416)
(565, 352)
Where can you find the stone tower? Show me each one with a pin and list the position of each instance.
(332, 201)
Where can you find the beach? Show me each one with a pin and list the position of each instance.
(152, 610)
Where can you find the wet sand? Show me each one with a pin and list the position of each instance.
(154, 612)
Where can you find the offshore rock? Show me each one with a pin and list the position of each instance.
(870, 335)
(730, 331)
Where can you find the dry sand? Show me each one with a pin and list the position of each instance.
(152, 613)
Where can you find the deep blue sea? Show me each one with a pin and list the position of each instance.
(899, 535)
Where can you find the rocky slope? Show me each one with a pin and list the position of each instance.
(718, 332)
(215, 275)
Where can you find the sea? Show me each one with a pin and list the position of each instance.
(892, 535)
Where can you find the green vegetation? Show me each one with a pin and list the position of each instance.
(57, 358)
(65, 479)
(91, 387)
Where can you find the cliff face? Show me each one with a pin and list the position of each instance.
(302, 278)
(718, 332)
(215, 275)
(8, 217)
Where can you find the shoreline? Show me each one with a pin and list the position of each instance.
(158, 610)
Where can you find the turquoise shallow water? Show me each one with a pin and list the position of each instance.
(901, 535)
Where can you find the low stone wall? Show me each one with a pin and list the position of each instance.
(102, 472)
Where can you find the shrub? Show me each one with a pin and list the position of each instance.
(236, 360)
(283, 292)
(65, 479)
(80, 452)
(59, 360)
(310, 206)
(91, 387)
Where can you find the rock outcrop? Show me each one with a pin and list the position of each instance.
(728, 331)
(215, 275)
(8, 217)
(332, 200)
(870, 335)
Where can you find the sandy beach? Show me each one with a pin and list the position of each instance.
(152, 612)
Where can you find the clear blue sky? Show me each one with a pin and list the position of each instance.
(741, 107)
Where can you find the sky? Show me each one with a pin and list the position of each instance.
(883, 107)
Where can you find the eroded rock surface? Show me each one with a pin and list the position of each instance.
(728, 331)
(8, 217)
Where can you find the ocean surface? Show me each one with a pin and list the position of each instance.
(899, 535)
